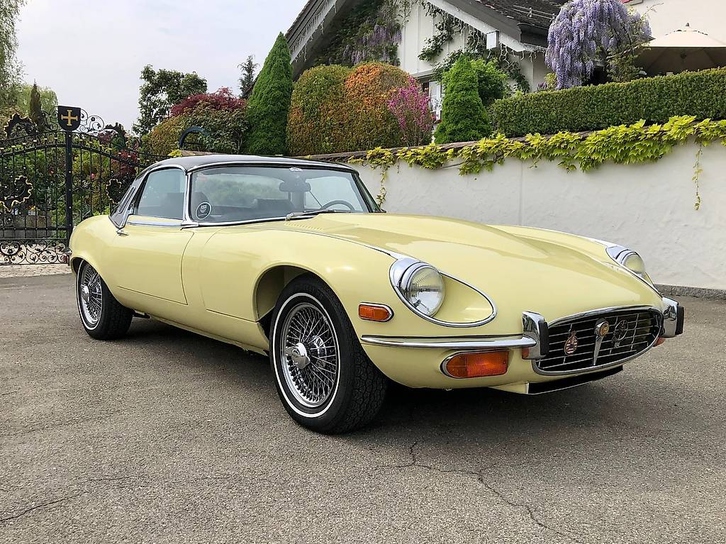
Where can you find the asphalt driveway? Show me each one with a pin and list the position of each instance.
(169, 437)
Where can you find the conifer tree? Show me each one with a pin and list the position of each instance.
(463, 116)
(35, 110)
(269, 104)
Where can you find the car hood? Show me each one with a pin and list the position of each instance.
(491, 259)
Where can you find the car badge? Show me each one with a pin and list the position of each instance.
(571, 343)
(602, 328)
(620, 332)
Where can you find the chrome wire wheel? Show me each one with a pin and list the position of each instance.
(309, 354)
(90, 296)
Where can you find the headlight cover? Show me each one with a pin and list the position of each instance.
(630, 260)
(419, 285)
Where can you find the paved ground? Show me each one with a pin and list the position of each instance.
(169, 437)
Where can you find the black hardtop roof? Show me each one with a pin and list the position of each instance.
(199, 161)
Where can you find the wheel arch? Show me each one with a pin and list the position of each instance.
(270, 285)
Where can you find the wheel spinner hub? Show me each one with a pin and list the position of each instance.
(85, 293)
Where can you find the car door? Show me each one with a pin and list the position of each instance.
(148, 249)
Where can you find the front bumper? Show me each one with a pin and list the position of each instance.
(417, 361)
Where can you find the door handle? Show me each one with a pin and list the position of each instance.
(121, 232)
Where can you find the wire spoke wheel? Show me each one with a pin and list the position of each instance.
(310, 355)
(323, 377)
(102, 316)
(90, 295)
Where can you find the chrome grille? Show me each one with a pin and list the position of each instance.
(631, 332)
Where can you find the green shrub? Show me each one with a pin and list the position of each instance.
(336, 109)
(164, 137)
(463, 116)
(315, 125)
(269, 103)
(655, 100)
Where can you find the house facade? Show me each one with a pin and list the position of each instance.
(666, 16)
(514, 30)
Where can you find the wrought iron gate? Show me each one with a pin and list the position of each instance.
(51, 179)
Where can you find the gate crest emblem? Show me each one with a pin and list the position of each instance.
(69, 118)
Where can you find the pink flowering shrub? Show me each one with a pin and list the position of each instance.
(412, 109)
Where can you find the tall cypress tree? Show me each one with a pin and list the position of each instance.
(269, 103)
(463, 116)
(35, 110)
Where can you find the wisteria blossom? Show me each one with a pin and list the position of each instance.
(586, 32)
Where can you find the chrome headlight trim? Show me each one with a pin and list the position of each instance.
(402, 273)
(399, 267)
(621, 254)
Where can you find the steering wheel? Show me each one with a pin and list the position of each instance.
(336, 202)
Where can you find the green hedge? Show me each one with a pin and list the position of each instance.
(655, 100)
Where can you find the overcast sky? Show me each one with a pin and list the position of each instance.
(91, 52)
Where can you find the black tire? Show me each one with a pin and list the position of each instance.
(323, 377)
(102, 315)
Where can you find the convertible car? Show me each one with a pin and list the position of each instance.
(294, 259)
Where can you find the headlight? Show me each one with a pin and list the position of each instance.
(630, 260)
(419, 285)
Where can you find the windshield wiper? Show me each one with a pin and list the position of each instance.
(311, 213)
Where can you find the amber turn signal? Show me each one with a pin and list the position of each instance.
(374, 312)
(477, 365)
(660, 341)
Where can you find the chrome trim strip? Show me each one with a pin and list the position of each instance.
(466, 343)
(619, 253)
(174, 223)
(396, 273)
(594, 313)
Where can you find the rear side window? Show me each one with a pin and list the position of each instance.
(162, 195)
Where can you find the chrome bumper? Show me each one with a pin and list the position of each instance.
(534, 338)
(673, 318)
(465, 343)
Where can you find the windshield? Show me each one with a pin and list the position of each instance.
(245, 193)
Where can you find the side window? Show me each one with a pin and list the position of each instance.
(162, 195)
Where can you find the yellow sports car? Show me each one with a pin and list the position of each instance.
(294, 259)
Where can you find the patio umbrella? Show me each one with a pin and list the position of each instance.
(684, 49)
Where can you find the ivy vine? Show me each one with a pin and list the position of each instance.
(636, 143)
(446, 26)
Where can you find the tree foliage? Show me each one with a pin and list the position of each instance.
(247, 77)
(269, 102)
(221, 114)
(220, 100)
(160, 90)
(586, 33)
(10, 68)
(463, 116)
(48, 99)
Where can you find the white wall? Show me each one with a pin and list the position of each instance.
(648, 207)
(668, 15)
